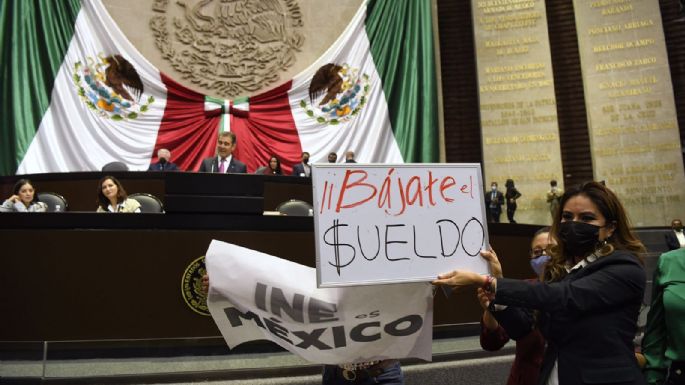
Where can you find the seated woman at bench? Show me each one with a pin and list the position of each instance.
(23, 199)
(112, 197)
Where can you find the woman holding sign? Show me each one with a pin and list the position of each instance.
(591, 295)
(530, 344)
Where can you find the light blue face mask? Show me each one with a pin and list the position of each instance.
(538, 263)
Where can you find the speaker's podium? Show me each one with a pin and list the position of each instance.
(215, 193)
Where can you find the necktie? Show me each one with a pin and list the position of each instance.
(222, 169)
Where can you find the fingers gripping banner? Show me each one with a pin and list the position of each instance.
(256, 296)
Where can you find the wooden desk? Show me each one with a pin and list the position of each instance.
(89, 276)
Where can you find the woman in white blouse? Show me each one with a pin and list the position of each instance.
(112, 197)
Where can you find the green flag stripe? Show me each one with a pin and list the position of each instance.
(401, 37)
(34, 37)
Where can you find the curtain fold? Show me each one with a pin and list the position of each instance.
(412, 104)
(29, 68)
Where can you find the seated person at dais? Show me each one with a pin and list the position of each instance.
(112, 197)
(224, 162)
(163, 162)
(24, 199)
(303, 168)
(274, 167)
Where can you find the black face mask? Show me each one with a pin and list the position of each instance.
(580, 238)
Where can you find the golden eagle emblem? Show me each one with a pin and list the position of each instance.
(121, 73)
(343, 92)
(111, 87)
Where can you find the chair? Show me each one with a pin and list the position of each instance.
(53, 200)
(148, 203)
(115, 166)
(295, 207)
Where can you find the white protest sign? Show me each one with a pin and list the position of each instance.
(256, 296)
(378, 223)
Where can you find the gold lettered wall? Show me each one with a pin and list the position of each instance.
(634, 133)
(517, 103)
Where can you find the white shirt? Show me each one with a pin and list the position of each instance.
(119, 207)
(681, 237)
(227, 161)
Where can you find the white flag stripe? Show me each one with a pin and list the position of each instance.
(71, 137)
(369, 134)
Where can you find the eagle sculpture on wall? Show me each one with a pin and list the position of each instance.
(121, 73)
(326, 79)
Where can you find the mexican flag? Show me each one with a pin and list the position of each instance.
(76, 95)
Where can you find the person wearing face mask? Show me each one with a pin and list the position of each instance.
(23, 199)
(303, 168)
(163, 162)
(531, 345)
(675, 239)
(494, 199)
(590, 296)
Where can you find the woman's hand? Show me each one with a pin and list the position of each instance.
(495, 267)
(459, 278)
(14, 198)
(488, 320)
(483, 298)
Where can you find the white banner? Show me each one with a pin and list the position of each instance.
(256, 296)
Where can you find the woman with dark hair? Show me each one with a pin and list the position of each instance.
(530, 346)
(112, 197)
(511, 196)
(589, 301)
(23, 199)
(274, 167)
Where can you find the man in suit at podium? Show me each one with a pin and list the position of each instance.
(163, 161)
(303, 168)
(224, 162)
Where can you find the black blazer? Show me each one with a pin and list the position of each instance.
(499, 198)
(212, 165)
(298, 169)
(671, 240)
(589, 320)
